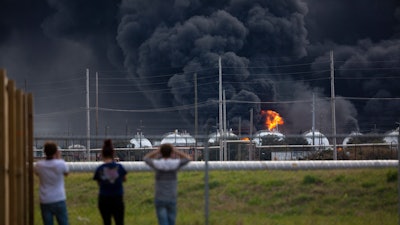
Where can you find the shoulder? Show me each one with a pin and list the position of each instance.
(39, 162)
(120, 166)
(112, 165)
(62, 161)
(59, 162)
(99, 167)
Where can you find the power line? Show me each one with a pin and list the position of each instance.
(55, 82)
(59, 113)
(279, 74)
(368, 78)
(163, 75)
(57, 96)
(167, 109)
(60, 88)
(373, 98)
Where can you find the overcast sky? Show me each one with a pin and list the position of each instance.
(275, 55)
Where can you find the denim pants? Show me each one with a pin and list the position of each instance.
(57, 209)
(166, 212)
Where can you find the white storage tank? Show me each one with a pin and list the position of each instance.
(317, 138)
(263, 133)
(139, 141)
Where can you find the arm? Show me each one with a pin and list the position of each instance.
(152, 154)
(66, 172)
(58, 156)
(123, 173)
(182, 154)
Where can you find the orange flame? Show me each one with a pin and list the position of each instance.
(272, 119)
(245, 139)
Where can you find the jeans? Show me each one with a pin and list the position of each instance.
(111, 206)
(166, 212)
(57, 209)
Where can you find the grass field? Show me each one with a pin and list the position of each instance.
(356, 197)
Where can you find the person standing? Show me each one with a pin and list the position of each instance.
(52, 197)
(166, 161)
(110, 177)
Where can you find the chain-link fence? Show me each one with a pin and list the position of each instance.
(74, 150)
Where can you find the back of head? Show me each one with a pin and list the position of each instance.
(108, 150)
(166, 150)
(50, 149)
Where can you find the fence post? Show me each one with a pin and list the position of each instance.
(19, 157)
(12, 150)
(29, 160)
(4, 169)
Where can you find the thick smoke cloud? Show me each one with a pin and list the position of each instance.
(346, 22)
(162, 44)
(194, 36)
(91, 23)
(367, 70)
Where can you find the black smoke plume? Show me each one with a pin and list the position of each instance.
(275, 55)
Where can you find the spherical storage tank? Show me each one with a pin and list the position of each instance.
(263, 133)
(178, 139)
(140, 142)
(317, 138)
(214, 137)
(392, 137)
(76, 147)
(350, 136)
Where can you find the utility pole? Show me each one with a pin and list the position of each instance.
(333, 106)
(140, 133)
(240, 127)
(225, 133)
(313, 120)
(398, 170)
(196, 121)
(221, 148)
(240, 136)
(87, 115)
(97, 104)
(206, 179)
(251, 135)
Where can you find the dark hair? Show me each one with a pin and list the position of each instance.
(166, 150)
(50, 149)
(108, 150)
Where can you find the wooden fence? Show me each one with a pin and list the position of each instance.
(16, 155)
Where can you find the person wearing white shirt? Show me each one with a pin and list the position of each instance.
(52, 197)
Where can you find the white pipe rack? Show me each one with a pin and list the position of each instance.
(250, 165)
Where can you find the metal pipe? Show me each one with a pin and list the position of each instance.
(250, 165)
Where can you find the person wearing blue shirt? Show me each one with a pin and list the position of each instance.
(110, 176)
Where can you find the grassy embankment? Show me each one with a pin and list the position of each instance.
(356, 197)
